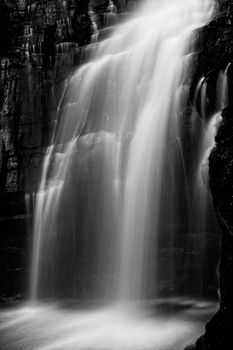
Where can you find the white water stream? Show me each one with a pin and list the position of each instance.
(114, 156)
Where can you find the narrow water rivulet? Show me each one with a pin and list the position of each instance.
(119, 196)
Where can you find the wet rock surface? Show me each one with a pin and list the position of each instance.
(217, 54)
(218, 335)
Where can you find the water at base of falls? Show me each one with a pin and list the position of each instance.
(77, 327)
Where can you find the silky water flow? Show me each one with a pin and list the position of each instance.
(117, 199)
(111, 181)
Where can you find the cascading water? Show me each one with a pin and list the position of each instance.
(120, 195)
(111, 183)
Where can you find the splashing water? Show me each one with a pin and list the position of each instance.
(55, 327)
(111, 184)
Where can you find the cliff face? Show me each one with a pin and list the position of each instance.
(30, 88)
(41, 44)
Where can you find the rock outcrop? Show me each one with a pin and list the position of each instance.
(216, 55)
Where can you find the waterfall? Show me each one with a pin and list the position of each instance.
(113, 185)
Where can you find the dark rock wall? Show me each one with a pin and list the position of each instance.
(216, 55)
(218, 334)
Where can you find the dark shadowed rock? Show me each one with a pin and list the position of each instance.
(214, 56)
